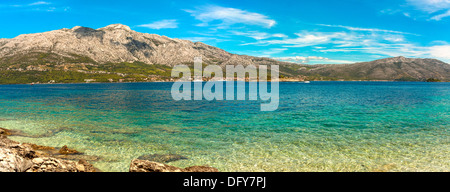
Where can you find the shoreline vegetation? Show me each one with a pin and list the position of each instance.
(29, 157)
(141, 72)
(44, 69)
(168, 81)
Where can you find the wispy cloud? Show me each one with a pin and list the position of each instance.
(304, 39)
(366, 29)
(163, 24)
(431, 10)
(262, 53)
(312, 59)
(39, 6)
(440, 16)
(378, 42)
(441, 52)
(39, 3)
(204, 39)
(259, 35)
(429, 6)
(229, 16)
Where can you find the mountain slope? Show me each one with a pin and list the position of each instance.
(118, 43)
(116, 52)
(396, 68)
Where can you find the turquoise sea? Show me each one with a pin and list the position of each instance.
(321, 126)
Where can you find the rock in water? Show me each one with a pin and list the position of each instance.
(162, 158)
(50, 164)
(138, 165)
(200, 169)
(4, 131)
(66, 151)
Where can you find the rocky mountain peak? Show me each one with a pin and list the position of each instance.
(116, 26)
(395, 60)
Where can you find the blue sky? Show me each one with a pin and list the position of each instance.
(311, 32)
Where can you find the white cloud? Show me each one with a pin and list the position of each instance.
(391, 45)
(209, 40)
(312, 59)
(279, 35)
(440, 16)
(437, 9)
(39, 3)
(440, 51)
(259, 35)
(305, 39)
(366, 29)
(272, 51)
(163, 24)
(394, 38)
(198, 39)
(420, 9)
(429, 6)
(39, 6)
(230, 16)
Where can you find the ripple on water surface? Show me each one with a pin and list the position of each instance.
(321, 126)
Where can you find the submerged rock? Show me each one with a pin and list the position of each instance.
(61, 153)
(200, 169)
(66, 151)
(138, 165)
(39, 147)
(4, 131)
(49, 133)
(8, 132)
(50, 164)
(162, 158)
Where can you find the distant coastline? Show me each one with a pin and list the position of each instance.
(205, 81)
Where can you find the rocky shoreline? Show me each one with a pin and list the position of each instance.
(26, 157)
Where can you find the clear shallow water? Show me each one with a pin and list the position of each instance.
(321, 126)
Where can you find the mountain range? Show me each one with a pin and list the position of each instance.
(117, 53)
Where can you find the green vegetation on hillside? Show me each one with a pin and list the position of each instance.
(45, 67)
(133, 68)
(433, 80)
(24, 77)
(48, 67)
